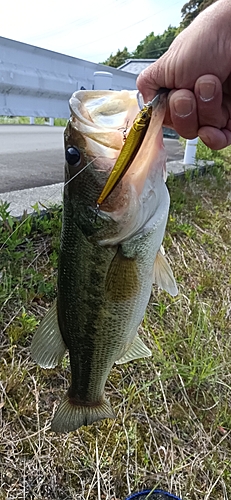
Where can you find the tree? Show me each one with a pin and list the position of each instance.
(153, 46)
(118, 59)
(191, 10)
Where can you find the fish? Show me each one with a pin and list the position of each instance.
(109, 256)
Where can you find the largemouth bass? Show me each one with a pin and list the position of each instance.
(109, 258)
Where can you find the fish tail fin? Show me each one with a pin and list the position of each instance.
(69, 417)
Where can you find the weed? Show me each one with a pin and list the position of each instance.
(25, 120)
(173, 421)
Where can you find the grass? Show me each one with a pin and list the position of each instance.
(173, 425)
(25, 120)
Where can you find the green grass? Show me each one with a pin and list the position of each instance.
(173, 424)
(25, 120)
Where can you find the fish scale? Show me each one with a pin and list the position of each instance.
(80, 300)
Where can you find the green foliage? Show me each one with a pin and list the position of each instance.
(24, 324)
(20, 244)
(119, 58)
(5, 217)
(25, 120)
(60, 122)
(153, 46)
(191, 9)
(221, 158)
(172, 426)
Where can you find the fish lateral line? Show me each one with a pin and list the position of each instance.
(131, 146)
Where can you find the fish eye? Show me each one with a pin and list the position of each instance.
(72, 155)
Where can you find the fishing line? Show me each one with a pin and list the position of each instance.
(82, 170)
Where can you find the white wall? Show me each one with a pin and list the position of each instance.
(39, 82)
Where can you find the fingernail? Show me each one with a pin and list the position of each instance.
(183, 106)
(207, 90)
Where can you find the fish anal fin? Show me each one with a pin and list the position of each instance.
(70, 416)
(136, 350)
(48, 347)
(163, 275)
(122, 281)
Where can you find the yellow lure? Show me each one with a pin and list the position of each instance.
(129, 149)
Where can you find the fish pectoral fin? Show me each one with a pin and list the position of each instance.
(48, 347)
(136, 350)
(69, 417)
(122, 278)
(163, 275)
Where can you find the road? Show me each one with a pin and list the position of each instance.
(33, 155)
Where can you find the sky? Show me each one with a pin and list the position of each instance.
(87, 29)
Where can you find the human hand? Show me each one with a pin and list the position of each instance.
(197, 67)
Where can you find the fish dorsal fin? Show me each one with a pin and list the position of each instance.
(48, 347)
(136, 350)
(163, 275)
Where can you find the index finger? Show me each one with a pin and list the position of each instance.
(183, 113)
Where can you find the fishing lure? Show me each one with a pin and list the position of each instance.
(130, 148)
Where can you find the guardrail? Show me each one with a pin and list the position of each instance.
(39, 82)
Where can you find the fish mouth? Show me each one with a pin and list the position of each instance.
(106, 119)
(131, 146)
(103, 119)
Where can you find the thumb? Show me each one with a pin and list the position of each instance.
(151, 79)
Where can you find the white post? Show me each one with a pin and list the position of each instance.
(31, 120)
(51, 122)
(190, 151)
(102, 80)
